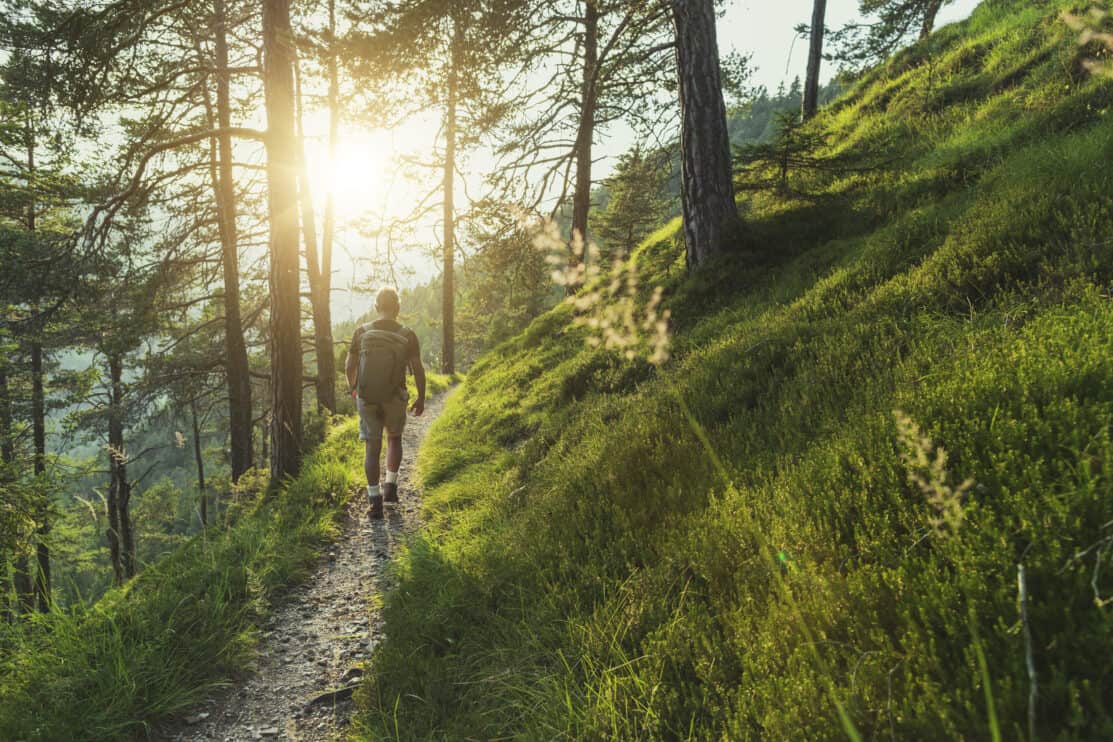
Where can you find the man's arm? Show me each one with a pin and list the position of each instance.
(419, 380)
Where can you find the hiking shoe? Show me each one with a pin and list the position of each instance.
(390, 492)
(376, 510)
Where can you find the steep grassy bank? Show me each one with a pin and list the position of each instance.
(161, 643)
(592, 568)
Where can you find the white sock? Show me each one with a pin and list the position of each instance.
(372, 491)
(392, 477)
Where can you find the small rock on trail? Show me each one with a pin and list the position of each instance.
(320, 632)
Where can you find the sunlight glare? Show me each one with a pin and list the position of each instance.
(358, 177)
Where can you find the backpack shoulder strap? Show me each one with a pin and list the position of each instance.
(388, 336)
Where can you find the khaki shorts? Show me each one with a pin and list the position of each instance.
(374, 418)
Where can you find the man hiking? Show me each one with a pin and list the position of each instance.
(378, 358)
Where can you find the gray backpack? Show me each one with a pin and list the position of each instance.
(382, 364)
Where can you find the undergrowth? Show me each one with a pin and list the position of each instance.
(588, 571)
(186, 625)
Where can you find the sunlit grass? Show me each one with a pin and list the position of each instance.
(590, 572)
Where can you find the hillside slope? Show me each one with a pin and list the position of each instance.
(599, 563)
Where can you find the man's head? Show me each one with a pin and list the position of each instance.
(387, 304)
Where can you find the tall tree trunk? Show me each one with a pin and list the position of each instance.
(318, 293)
(264, 443)
(7, 453)
(328, 230)
(815, 58)
(930, 12)
(38, 434)
(38, 410)
(22, 576)
(282, 200)
(117, 467)
(711, 224)
(199, 457)
(585, 134)
(448, 304)
(236, 364)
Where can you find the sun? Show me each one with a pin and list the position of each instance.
(358, 176)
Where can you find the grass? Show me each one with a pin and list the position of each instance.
(186, 625)
(588, 571)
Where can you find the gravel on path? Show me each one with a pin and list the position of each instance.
(318, 638)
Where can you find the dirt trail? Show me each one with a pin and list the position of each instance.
(322, 631)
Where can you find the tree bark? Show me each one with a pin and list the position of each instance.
(448, 303)
(264, 441)
(815, 59)
(318, 292)
(282, 201)
(930, 12)
(203, 496)
(711, 224)
(118, 469)
(38, 412)
(38, 434)
(328, 230)
(236, 363)
(585, 134)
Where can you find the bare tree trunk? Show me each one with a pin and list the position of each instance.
(127, 534)
(448, 305)
(236, 363)
(815, 59)
(121, 541)
(199, 457)
(328, 231)
(38, 434)
(930, 12)
(711, 224)
(282, 199)
(117, 467)
(318, 293)
(38, 411)
(585, 134)
(264, 450)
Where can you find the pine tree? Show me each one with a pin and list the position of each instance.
(893, 23)
(612, 62)
(635, 205)
(451, 54)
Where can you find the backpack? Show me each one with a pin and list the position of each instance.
(382, 364)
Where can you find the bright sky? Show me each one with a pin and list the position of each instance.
(765, 28)
(369, 184)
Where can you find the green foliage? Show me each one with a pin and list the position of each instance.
(506, 283)
(891, 23)
(634, 206)
(793, 148)
(184, 625)
(595, 568)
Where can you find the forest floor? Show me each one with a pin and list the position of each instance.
(321, 634)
